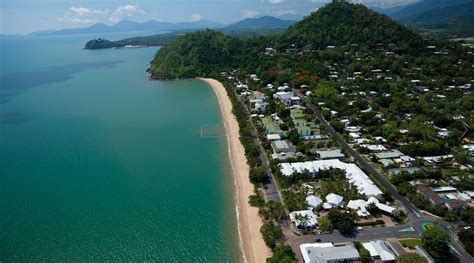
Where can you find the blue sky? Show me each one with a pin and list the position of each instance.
(24, 16)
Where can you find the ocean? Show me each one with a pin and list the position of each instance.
(98, 163)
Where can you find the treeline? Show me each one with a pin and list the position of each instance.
(155, 40)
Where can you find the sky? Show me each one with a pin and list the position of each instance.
(25, 16)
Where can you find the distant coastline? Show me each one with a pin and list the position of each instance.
(252, 244)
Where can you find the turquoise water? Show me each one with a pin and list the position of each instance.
(98, 163)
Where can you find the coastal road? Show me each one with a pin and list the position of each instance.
(270, 190)
(414, 214)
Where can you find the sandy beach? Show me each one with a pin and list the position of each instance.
(252, 244)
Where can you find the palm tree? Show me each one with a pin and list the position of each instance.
(305, 220)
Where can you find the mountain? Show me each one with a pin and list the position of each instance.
(126, 26)
(450, 18)
(389, 10)
(291, 17)
(264, 22)
(426, 5)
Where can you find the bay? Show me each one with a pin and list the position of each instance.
(99, 163)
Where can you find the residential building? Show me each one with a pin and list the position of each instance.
(330, 154)
(379, 251)
(303, 218)
(313, 201)
(353, 173)
(328, 253)
(430, 194)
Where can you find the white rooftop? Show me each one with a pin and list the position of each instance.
(378, 248)
(313, 201)
(331, 154)
(327, 252)
(334, 199)
(353, 173)
(312, 219)
(273, 137)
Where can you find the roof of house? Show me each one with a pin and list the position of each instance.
(409, 170)
(313, 201)
(330, 154)
(273, 137)
(312, 217)
(428, 192)
(334, 199)
(378, 248)
(388, 154)
(359, 205)
(326, 252)
(444, 189)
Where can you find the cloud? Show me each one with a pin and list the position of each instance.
(380, 3)
(281, 12)
(84, 11)
(82, 15)
(276, 1)
(250, 13)
(196, 17)
(125, 11)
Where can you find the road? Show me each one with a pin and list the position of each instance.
(270, 190)
(414, 214)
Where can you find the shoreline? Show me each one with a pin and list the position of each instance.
(249, 222)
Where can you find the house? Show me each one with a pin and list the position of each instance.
(304, 131)
(270, 126)
(360, 206)
(378, 250)
(330, 154)
(435, 160)
(328, 253)
(374, 147)
(387, 162)
(284, 97)
(303, 218)
(383, 207)
(388, 154)
(258, 105)
(456, 204)
(295, 101)
(273, 137)
(335, 200)
(430, 194)
(410, 170)
(313, 201)
(282, 146)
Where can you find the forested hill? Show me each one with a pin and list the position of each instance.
(342, 23)
(336, 24)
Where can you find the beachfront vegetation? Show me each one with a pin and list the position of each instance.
(282, 254)
(272, 234)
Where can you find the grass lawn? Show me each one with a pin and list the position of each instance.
(410, 243)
